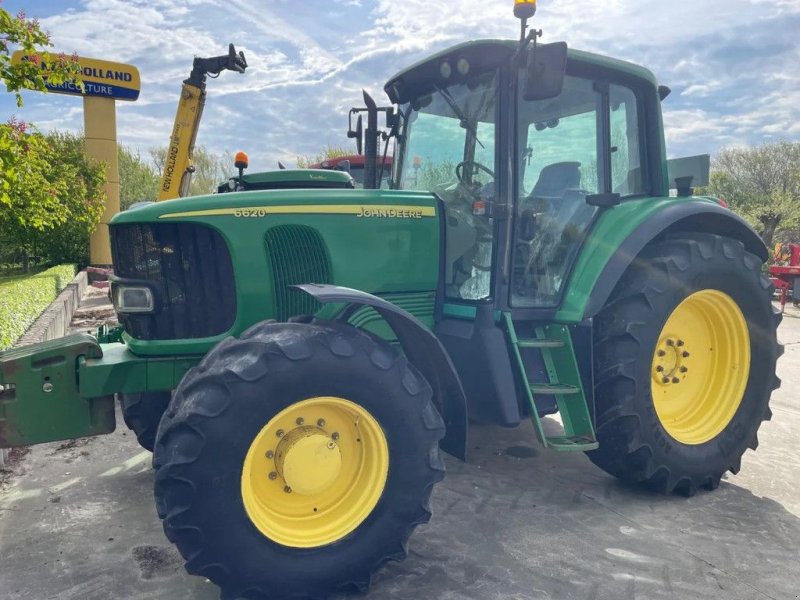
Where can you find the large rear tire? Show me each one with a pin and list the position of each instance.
(297, 460)
(685, 356)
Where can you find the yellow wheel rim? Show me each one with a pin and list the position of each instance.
(700, 367)
(315, 472)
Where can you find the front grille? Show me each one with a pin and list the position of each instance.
(297, 254)
(191, 269)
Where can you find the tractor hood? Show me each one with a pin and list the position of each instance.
(276, 202)
(217, 264)
(288, 179)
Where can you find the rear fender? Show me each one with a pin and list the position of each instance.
(609, 253)
(422, 349)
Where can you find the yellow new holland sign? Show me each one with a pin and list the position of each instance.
(102, 78)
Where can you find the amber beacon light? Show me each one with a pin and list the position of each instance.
(524, 9)
(240, 161)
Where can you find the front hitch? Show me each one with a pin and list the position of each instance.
(40, 399)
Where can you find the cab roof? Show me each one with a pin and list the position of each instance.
(491, 53)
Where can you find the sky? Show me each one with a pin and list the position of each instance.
(733, 65)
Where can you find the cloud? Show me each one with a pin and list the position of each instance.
(733, 65)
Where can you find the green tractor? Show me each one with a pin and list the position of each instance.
(305, 353)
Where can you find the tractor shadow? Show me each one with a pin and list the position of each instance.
(515, 522)
(518, 521)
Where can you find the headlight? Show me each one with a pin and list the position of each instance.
(132, 298)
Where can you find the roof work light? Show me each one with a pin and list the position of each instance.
(240, 160)
(524, 9)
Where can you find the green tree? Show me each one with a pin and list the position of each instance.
(54, 197)
(762, 184)
(138, 179)
(30, 191)
(328, 153)
(81, 204)
(20, 33)
(210, 169)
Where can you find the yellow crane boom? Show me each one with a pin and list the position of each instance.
(178, 167)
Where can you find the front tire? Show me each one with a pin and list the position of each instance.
(685, 358)
(297, 460)
(142, 413)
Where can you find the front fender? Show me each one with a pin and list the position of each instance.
(422, 348)
(623, 231)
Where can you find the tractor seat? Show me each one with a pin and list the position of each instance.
(555, 180)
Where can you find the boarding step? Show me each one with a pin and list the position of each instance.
(557, 389)
(572, 443)
(554, 342)
(540, 343)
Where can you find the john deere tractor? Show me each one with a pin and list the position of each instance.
(305, 353)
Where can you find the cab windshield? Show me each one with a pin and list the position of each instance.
(448, 147)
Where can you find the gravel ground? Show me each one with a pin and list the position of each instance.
(77, 522)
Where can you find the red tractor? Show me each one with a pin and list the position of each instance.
(353, 164)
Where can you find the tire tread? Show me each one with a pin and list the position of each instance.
(622, 450)
(308, 341)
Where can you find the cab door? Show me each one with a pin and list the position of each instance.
(575, 152)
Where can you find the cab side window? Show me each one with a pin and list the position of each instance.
(627, 178)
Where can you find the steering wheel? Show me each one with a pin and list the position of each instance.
(475, 165)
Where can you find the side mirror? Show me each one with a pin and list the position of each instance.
(358, 134)
(546, 67)
(343, 165)
(391, 118)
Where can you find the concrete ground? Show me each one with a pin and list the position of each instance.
(77, 522)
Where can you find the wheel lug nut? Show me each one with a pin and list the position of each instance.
(320, 422)
(665, 380)
(270, 454)
(685, 354)
(670, 343)
(335, 436)
(661, 353)
(287, 489)
(279, 433)
(680, 342)
(684, 369)
(675, 380)
(273, 476)
(299, 420)
(659, 369)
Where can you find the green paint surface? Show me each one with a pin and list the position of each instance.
(605, 238)
(40, 400)
(376, 253)
(296, 176)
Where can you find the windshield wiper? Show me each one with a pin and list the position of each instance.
(466, 124)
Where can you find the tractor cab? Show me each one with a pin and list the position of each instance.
(523, 176)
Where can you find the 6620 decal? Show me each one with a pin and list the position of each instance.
(250, 212)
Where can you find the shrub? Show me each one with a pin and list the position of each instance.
(53, 200)
(24, 297)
